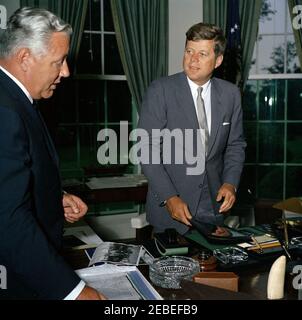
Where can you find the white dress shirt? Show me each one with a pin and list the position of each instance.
(77, 290)
(18, 83)
(206, 96)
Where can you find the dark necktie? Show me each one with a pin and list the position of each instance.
(202, 118)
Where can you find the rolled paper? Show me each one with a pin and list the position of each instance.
(276, 278)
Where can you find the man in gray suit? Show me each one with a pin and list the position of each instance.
(177, 104)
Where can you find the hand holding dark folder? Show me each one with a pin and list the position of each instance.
(218, 234)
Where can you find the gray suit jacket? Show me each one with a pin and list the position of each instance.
(168, 103)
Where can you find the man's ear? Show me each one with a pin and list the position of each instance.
(23, 58)
(219, 60)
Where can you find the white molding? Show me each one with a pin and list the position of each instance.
(81, 76)
(269, 76)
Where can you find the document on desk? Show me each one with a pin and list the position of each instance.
(125, 181)
(117, 253)
(119, 282)
(84, 234)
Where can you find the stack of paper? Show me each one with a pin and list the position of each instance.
(261, 242)
(119, 282)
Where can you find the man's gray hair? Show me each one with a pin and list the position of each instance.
(31, 28)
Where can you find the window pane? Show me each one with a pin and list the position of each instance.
(273, 17)
(66, 108)
(88, 145)
(270, 182)
(108, 21)
(293, 182)
(67, 147)
(250, 131)
(113, 64)
(271, 143)
(89, 59)
(249, 101)
(294, 103)
(271, 100)
(247, 183)
(119, 101)
(93, 16)
(272, 53)
(91, 101)
(294, 143)
(293, 63)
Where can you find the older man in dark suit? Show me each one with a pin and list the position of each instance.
(33, 51)
(211, 107)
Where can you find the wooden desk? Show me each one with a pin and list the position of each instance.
(132, 193)
(136, 194)
(252, 282)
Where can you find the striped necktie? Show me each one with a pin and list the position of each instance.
(202, 117)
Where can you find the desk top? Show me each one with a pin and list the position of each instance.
(124, 181)
(111, 189)
(252, 282)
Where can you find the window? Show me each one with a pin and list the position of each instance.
(99, 95)
(98, 98)
(272, 109)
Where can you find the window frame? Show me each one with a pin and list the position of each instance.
(258, 77)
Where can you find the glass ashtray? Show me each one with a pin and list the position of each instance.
(167, 272)
(231, 255)
(297, 241)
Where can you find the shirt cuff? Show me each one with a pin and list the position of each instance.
(76, 291)
(162, 204)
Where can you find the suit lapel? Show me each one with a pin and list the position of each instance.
(51, 148)
(216, 113)
(40, 128)
(185, 100)
(30, 113)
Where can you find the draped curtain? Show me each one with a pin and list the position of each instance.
(71, 11)
(141, 28)
(249, 12)
(297, 31)
(215, 11)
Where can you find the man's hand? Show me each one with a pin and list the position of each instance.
(227, 191)
(221, 232)
(179, 210)
(90, 294)
(74, 208)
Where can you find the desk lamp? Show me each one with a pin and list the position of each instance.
(293, 205)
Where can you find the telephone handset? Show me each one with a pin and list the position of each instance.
(171, 235)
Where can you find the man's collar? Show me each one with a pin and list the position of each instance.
(20, 85)
(195, 86)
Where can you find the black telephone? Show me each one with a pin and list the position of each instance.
(170, 242)
(171, 235)
(169, 238)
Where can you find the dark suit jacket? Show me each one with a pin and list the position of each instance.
(31, 212)
(168, 103)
